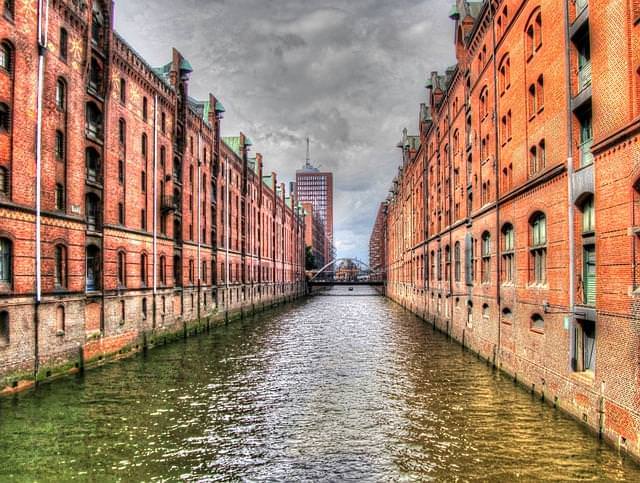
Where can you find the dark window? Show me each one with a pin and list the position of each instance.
(60, 320)
(456, 261)
(121, 171)
(6, 253)
(4, 181)
(94, 121)
(145, 109)
(163, 123)
(143, 270)
(143, 219)
(59, 145)
(143, 146)
(144, 308)
(60, 272)
(64, 40)
(508, 254)
(538, 249)
(123, 91)
(507, 316)
(61, 95)
(93, 268)
(122, 269)
(95, 75)
(486, 257)
(122, 131)
(5, 117)
(123, 312)
(6, 57)
(177, 272)
(60, 197)
(121, 213)
(92, 210)
(93, 164)
(163, 270)
(143, 181)
(537, 322)
(4, 327)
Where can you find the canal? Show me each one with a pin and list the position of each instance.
(337, 387)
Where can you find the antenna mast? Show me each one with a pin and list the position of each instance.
(308, 163)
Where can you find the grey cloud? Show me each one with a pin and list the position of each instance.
(347, 73)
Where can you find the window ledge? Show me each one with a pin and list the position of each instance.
(536, 331)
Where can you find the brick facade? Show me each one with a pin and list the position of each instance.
(512, 222)
(149, 222)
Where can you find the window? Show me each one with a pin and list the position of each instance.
(537, 158)
(92, 211)
(60, 322)
(5, 117)
(143, 181)
(540, 93)
(123, 91)
(121, 171)
(486, 257)
(456, 261)
(145, 109)
(123, 312)
(485, 311)
(163, 123)
(95, 75)
(122, 132)
(537, 323)
(447, 261)
(59, 145)
(143, 219)
(586, 138)
(538, 249)
(4, 327)
(9, 9)
(6, 253)
(504, 74)
(533, 101)
(143, 146)
(94, 120)
(61, 95)
(92, 268)
(93, 164)
(143, 270)
(204, 272)
(144, 308)
(163, 270)
(507, 316)
(508, 254)
(534, 34)
(484, 100)
(6, 57)
(190, 270)
(588, 252)
(177, 272)
(64, 40)
(60, 196)
(588, 216)
(4, 181)
(584, 346)
(121, 269)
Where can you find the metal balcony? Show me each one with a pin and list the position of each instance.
(169, 203)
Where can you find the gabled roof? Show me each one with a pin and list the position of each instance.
(233, 143)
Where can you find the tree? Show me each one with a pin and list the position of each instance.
(310, 260)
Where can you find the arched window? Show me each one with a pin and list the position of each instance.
(60, 268)
(61, 94)
(163, 157)
(92, 211)
(60, 322)
(457, 261)
(537, 323)
(540, 92)
(504, 74)
(163, 123)
(533, 34)
(123, 91)
(121, 269)
(97, 24)
(507, 316)
(143, 270)
(5, 331)
(6, 260)
(59, 150)
(203, 271)
(94, 120)
(64, 41)
(485, 311)
(538, 249)
(93, 164)
(486, 257)
(5, 117)
(9, 8)
(145, 109)
(447, 262)
(93, 268)
(508, 253)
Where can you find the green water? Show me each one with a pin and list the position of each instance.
(330, 388)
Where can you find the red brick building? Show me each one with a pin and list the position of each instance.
(314, 234)
(123, 214)
(513, 222)
(377, 245)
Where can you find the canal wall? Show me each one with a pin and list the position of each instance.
(172, 316)
(576, 394)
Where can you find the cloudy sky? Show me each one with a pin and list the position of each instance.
(347, 73)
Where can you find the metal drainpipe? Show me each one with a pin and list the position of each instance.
(570, 207)
(199, 267)
(497, 179)
(155, 206)
(43, 24)
(226, 231)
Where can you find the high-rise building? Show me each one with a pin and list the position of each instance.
(316, 187)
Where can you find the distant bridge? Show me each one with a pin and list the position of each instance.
(344, 272)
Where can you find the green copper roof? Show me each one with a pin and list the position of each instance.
(233, 142)
(185, 66)
(428, 84)
(454, 14)
(219, 107)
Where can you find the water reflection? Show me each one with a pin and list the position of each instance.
(331, 388)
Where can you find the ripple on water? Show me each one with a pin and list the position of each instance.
(330, 388)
